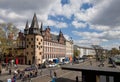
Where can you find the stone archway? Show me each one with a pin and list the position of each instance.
(29, 62)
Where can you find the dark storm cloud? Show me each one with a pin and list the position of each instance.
(24, 5)
(109, 15)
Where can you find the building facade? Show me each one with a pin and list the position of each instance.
(69, 48)
(39, 45)
(84, 50)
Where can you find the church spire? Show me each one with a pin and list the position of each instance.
(41, 28)
(26, 30)
(60, 33)
(27, 27)
(34, 23)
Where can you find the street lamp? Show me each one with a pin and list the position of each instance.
(71, 45)
(71, 41)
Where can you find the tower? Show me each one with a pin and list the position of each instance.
(34, 43)
(41, 29)
(26, 30)
(61, 38)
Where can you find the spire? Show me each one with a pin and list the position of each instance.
(41, 28)
(34, 23)
(27, 27)
(60, 32)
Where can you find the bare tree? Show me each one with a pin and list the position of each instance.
(99, 51)
(6, 41)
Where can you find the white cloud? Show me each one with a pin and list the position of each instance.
(56, 24)
(99, 27)
(88, 35)
(55, 33)
(79, 24)
(49, 23)
(107, 35)
(61, 25)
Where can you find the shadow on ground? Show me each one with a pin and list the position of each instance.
(65, 80)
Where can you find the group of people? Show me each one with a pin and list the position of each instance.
(21, 75)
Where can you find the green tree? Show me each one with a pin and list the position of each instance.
(114, 51)
(76, 53)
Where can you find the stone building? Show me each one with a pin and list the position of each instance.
(69, 48)
(84, 51)
(39, 45)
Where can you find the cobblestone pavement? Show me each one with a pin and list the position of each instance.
(62, 75)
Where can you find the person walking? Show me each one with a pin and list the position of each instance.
(10, 71)
(90, 61)
(50, 73)
(55, 75)
(53, 79)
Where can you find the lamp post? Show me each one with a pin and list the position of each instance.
(71, 49)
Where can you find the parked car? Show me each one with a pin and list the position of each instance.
(52, 65)
(115, 59)
(66, 62)
(79, 60)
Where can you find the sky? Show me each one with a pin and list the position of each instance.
(88, 22)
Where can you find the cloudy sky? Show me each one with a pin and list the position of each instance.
(88, 22)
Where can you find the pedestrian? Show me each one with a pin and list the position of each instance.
(53, 79)
(40, 72)
(9, 71)
(14, 78)
(36, 73)
(90, 62)
(55, 75)
(51, 73)
(7, 66)
(76, 78)
(20, 75)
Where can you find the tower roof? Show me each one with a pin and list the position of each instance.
(60, 33)
(41, 28)
(34, 23)
(27, 27)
